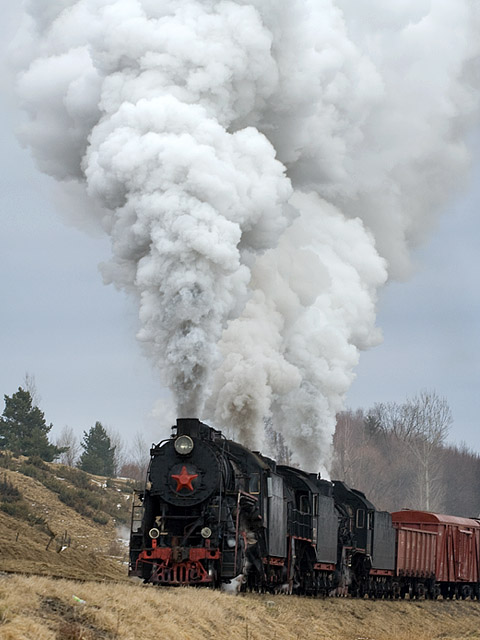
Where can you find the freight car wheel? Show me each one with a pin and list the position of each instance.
(403, 592)
(420, 591)
(450, 592)
(465, 593)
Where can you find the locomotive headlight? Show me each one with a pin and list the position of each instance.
(154, 533)
(206, 532)
(183, 445)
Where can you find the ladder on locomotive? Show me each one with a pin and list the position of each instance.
(230, 556)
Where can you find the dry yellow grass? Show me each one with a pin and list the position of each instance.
(46, 609)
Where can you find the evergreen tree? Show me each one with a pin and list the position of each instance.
(98, 456)
(23, 429)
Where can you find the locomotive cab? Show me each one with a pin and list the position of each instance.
(312, 530)
(360, 515)
(368, 538)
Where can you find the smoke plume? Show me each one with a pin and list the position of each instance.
(262, 168)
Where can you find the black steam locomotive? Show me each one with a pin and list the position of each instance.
(213, 512)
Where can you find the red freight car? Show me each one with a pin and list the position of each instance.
(437, 554)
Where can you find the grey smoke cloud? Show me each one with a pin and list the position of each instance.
(261, 168)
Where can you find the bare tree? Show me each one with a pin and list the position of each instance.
(368, 458)
(462, 477)
(67, 439)
(136, 465)
(119, 445)
(30, 385)
(348, 443)
(422, 423)
(141, 452)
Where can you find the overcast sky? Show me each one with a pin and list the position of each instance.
(431, 323)
(76, 336)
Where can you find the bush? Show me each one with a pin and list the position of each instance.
(32, 471)
(52, 483)
(8, 492)
(77, 477)
(6, 460)
(36, 461)
(68, 496)
(22, 511)
(84, 502)
(100, 518)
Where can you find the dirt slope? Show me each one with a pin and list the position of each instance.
(50, 537)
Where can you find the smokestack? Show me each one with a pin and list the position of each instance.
(188, 426)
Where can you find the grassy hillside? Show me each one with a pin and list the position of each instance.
(47, 609)
(55, 520)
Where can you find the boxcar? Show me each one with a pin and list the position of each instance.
(437, 554)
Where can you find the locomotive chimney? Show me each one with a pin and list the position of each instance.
(188, 426)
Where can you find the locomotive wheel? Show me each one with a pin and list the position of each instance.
(212, 570)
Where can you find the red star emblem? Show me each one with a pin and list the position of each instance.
(184, 479)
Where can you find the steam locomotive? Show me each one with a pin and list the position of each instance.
(213, 513)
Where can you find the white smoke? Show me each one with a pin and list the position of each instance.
(291, 354)
(190, 124)
(141, 103)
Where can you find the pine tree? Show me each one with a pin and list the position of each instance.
(23, 429)
(98, 456)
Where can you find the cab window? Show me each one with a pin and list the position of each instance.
(304, 504)
(254, 483)
(360, 518)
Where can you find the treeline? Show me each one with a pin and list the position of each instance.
(104, 453)
(398, 455)
(24, 431)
